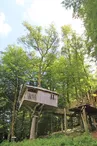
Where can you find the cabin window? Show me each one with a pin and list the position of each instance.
(32, 96)
(32, 90)
(29, 96)
(52, 96)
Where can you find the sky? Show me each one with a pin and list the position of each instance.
(36, 12)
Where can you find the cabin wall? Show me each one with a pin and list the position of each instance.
(31, 96)
(41, 97)
(45, 98)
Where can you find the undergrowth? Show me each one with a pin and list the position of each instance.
(56, 140)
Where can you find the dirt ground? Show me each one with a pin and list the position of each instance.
(94, 134)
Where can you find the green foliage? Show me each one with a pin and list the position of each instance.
(57, 140)
(16, 64)
(87, 11)
(44, 42)
(15, 70)
(69, 72)
(64, 71)
(75, 4)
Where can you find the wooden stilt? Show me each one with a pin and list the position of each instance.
(81, 122)
(84, 119)
(62, 123)
(51, 124)
(65, 120)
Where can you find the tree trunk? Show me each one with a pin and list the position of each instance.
(33, 128)
(39, 77)
(9, 133)
(13, 118)
(14, 114)
(22, 125)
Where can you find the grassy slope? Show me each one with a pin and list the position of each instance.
(57, 140)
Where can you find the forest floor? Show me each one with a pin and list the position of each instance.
(94, 134)
(58, 140)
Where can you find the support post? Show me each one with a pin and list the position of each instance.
(51, 124)
(62, 123)
(84, 119)
(81, 122)
(33, 128)
(65, 120)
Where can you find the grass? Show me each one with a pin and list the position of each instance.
(56, 140)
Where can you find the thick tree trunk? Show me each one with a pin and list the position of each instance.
(33, 128)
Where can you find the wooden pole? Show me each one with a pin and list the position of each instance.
(84, 119)
(65, 120)
(51, 124)
(33, 128)
(62, 123)
(81, 122)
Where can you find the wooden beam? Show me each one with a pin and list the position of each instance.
(54, 111)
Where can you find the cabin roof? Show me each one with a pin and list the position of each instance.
(89, 109)
(42, 89)
(35, 88)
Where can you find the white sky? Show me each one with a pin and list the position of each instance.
(44, 12)
(20, 2)
(4, 27)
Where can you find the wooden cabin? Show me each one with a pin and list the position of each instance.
(30, 96)
(86, 111)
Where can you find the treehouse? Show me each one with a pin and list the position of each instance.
(86, 111)
(37, 99)
(31, 96)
